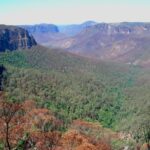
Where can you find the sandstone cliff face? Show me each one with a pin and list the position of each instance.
(41, 28)
(12, 38)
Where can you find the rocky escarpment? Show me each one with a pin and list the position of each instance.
(127, 42)
(48, 34)
(41, 28)
(12, 38)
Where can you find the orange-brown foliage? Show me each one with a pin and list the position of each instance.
(8, 122)
(94, 130)
(31, 120)
(86, 146)
(145, 146)
(39, 118)
(103, 145)
(45, 141)
(28, 105)
(72, 139)
(42, 125)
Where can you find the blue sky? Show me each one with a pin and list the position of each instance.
(73, 11)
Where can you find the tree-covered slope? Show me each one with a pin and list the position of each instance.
(78, 88)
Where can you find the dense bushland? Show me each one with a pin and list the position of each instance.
(73, 88)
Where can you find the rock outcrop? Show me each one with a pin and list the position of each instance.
(2, 70)
(12, 38)
(40, 28)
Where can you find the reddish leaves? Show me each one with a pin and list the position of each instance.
(41, 125)
(8, 112)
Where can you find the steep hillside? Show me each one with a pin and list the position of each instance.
(125, 42)
(101, 83)
(74, 87)
(12, 38)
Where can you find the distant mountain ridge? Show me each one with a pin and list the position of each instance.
(41, 28)
(69, 30)
(74, 29)
(46, 34)
(12, 38)
(128, 42)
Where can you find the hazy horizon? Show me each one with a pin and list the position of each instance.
(19, 12)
